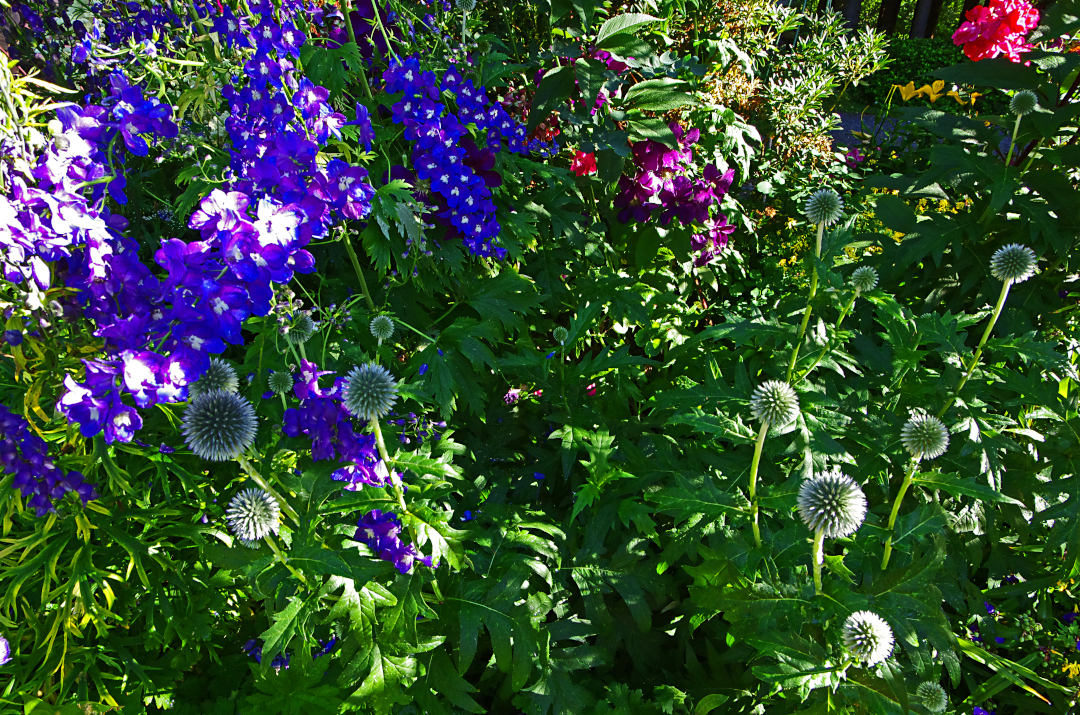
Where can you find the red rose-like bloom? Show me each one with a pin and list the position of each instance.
(583, 163)
(997, 29)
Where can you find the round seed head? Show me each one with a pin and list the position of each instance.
(220, 376)
(934, 697)
(864, 279)
(382, 327)
(925, 436)
(1023, 102)
(1014, 262)
(833, 502)
(252, 514)
(219, 425)
(868, 637)
(824, 206)
(280, 383)
(466, 5)
(775, 402)
(300, 330)
(370, 391)
(561, 335)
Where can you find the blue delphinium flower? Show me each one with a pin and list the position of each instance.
(381, 532)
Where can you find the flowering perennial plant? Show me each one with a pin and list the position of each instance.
(997, 28)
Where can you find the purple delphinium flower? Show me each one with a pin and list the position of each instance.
(1068, 618)
(381, 533)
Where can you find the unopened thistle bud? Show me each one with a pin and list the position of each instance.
(832, 502)
(219, 425)
(864, 279)
(370, 391)
(934, 697)
(382, 328)
(561, 335)
(775, 403)
(281, 382)
(219, 376)
(300, 330)
(1014, 262)
(925, 436)
(1023, 102)
(466, 5)
(868, 637)
(252, 514)
(824, 206)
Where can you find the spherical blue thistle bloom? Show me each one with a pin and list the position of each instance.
(833, 503)
(370, 391)
(252, 515)
(925, 436)
(775, 402)
(219, 376)
(219, 425)
(868, 637)
(824, 206)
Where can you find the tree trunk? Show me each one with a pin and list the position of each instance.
(935, 16)
(920, 19)
(852, 13)
(886, 21)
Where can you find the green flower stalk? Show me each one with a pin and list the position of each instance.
(924, 437)
(1022, 103)
(862, 280)
(1010, 264)
(773, 403)
(833, 505)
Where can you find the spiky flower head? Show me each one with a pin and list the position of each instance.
(1015, 262)
(864, 279)
(775, 402)
(281, 382)
(561, 335)
(370, 391)
(868, 637)
(925, 436)
(220, 376)
(466, 5)
(252, 514)
(300, 329)
(833, 502)
(934, 697)
(382, 328)
(219, 425)
(1023, 102)
(824, 206)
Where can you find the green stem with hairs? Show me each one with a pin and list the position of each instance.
(1012, 142)
(982, 343)
(385, 456)
(258, 479)
(753, 482)
(346, 11)
(809, 304)
(819, 558)
(843, 314)
(896, 510)
(358, 270)
(284, 559)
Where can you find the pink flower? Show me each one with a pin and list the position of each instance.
(591, 390)
(998, 28)
(583, 163)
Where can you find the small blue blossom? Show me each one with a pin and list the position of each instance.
(538, 476)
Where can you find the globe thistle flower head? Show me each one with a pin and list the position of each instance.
(300, 329)
(382, 328)
(370, 391)
(775, 402)
(925, 436)
(1015, 262)
(864, 279)
(1023, 102)
(824, 206)
(220, 376)
(868, 637)
(253, 514)
(832, 502)
(219, 425)
(934, 697)
(281, 382)
(465, 5)
(561, 335)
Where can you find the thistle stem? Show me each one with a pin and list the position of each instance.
(809, 304)
(284, 559)
(347, 12)
(843, 314)
(819, 558)
(384, 455)
(258, 479)
(753, 482)
(358, 270)
(1012, 142)
(982, 343)
(896, 510)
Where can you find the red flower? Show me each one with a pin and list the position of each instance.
(583, 163)
(996, 29)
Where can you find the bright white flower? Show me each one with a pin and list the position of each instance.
(1015, 262)
(253, 514)
(868, 637)
(775, 402)
(925, 436)
(833, 502)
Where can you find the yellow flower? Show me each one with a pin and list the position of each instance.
(933, 92)
(908, 91)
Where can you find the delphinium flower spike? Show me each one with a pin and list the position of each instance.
(924, 437)
(867, 637)
(773, 403)
(1010, 264)
(832, 505)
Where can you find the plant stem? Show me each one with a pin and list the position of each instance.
(753, 481)
(284, 559)
(809, 305)
(819, 558)
(398, 492)
(359, 271)
(982, 342)
(347, 11)
(1012, 142)
(258, 479)
(839, 322)
(896, 510)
